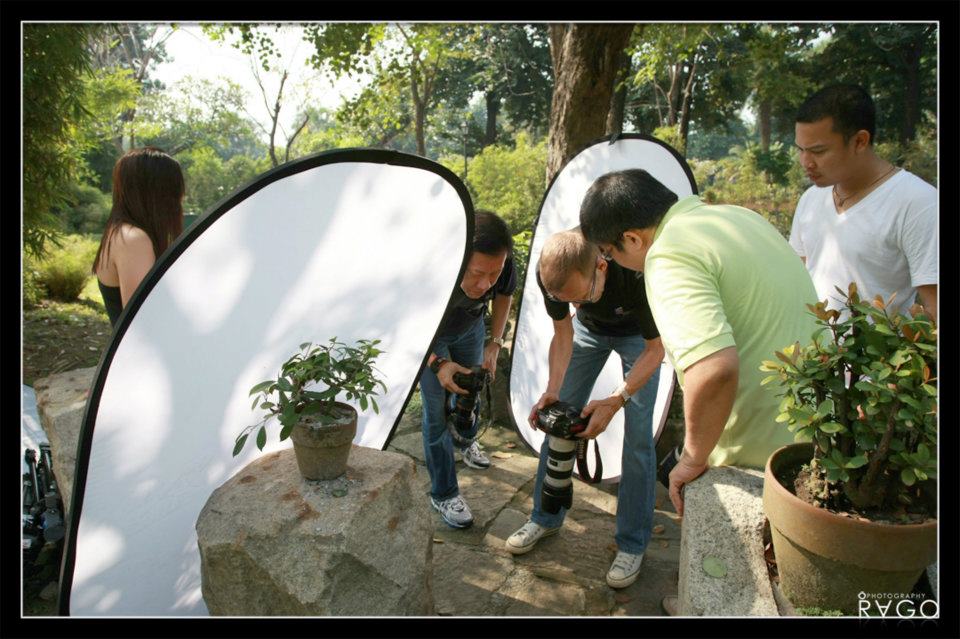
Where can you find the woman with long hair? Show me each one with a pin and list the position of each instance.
(147, 215)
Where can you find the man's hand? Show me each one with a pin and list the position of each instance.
(545, 400)
(490, 353)
(445, 376)
(600, 412)
(682, 474)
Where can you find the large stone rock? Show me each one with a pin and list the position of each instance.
(61, 400)
(723, 522)
(272, 543)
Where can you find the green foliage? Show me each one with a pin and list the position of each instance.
(33, 290)
(63, 271)
(507, 181)
(919, 156)
(819, 612)
(341, 369)
(89, 210)
(209, 179)
(769, 183)
(109, 94)
(521, 260)
(198, 113)
(671, 135)
(875, 438)
(55, 61)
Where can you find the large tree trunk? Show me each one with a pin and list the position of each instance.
(911, 94)
(763, 123)
(619, 100)
(585, 66)
(673, 95)
(493, 110)
(419, 115)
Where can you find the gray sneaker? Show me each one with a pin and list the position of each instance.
(527, 537)
(474, 457)
(454, 511)
(624, 570)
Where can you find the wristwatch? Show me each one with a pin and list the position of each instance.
(622, 392)
(437, 363)
(499, 341)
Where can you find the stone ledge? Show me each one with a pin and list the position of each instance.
(61, 400)
(723, 519)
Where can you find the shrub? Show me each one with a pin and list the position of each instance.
(918, 156)
(33, 290)
(521, 259)
(87, 211)
(510, 182)
(63, 272)
(741, 179)
(866, 396)
(671, 135)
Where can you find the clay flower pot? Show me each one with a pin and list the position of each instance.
(322, 449)
(826, 559)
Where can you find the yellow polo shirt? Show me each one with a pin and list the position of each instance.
(719, 276)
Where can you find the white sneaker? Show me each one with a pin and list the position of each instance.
(624, 570)
(474, 457)
(527, 537)
(454, 511)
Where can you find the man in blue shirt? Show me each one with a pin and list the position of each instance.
(459, 345)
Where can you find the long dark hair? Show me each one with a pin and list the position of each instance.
(148, 194)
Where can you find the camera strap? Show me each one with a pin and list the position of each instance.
(582, 469)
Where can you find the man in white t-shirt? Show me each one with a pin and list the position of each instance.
(864, 220)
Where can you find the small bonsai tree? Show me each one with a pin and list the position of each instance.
(341, 369)
(866, 397)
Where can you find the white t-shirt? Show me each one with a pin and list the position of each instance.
(886, 242)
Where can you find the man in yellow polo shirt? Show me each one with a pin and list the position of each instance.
(726, 291)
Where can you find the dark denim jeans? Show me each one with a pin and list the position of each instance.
(635, 496)
(465, 349)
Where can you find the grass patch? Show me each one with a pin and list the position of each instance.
(63, 336)
(819, 612)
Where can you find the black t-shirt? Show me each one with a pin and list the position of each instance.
(463, 311)
(621, 311)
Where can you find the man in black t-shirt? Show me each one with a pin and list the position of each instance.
(611, 315)
(459, 345)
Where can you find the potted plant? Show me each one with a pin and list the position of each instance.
(853, 509)
(322, 428)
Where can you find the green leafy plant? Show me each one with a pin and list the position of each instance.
(339, 368)
(866, 396)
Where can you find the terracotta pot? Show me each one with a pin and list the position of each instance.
(322, 450)
(826, 560)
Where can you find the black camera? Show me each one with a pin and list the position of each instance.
(42, 514)
(561, 422)
(667, 464)
(466, 408)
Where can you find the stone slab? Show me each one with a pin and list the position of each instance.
(465, 579)
(272, 543)
(723, 519)
(526, 594)
(61, 401)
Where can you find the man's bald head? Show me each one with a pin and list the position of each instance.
(563, 254)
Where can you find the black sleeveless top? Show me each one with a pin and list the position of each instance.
(111, 301)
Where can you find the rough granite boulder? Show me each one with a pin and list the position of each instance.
(722, 534)
(273, 543)
(61, 400)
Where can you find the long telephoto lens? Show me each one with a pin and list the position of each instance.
(557, 484)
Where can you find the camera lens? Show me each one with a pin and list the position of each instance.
(557, 489)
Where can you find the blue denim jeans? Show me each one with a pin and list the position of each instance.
(635, 496)
(465, 349)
